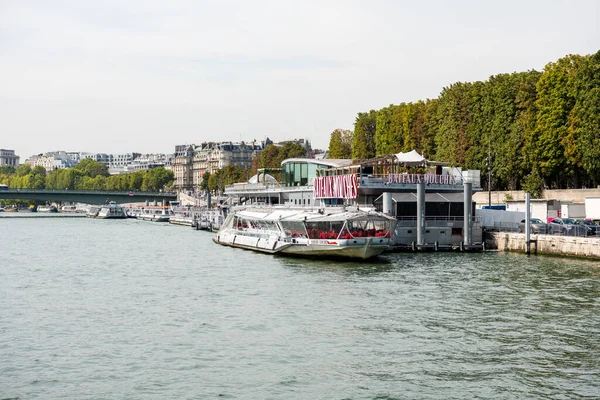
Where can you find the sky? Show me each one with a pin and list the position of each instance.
(117, 76)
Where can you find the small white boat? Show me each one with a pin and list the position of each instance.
(49, 208)
(334, 232)
(155, 214)
(106, 211)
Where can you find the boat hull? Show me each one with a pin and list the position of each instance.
(350, 249)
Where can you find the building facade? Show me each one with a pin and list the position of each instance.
(210, 157)
(8, 157)
(182, 166)
(53, 160)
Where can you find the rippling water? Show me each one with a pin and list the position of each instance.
(94, 309)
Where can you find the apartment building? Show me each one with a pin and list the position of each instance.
(182, 166)
(211, 156)
(53, 160)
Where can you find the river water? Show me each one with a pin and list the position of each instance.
(94, 309)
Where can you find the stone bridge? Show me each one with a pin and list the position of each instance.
(87, 196)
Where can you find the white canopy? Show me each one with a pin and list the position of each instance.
(264, 178)
(411, 158)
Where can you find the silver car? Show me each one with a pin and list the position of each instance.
(537, 226)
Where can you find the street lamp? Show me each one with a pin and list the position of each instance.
(488, 163)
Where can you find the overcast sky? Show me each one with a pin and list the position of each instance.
(118, 76)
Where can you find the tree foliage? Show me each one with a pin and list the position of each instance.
(539, 129)
(363, 139)
(340, 144)
(90, 177)
(226, 176)
(92, 168)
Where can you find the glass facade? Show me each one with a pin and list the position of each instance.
(300, 173)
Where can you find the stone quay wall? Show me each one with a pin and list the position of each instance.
(545, 244)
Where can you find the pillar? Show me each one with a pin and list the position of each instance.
(421, 213)
(468, 220)
(527, 223)
(388, 204)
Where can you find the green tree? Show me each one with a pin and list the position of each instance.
(7, 170)
(453, 116)
(23, 169)
(584, 120)
(554, 145)
(37, 178)
(204, 183)
(269, 157)
(363, 139)
(340, 144)
(92, 168)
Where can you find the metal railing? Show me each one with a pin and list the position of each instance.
(546, 229)
(440, 222)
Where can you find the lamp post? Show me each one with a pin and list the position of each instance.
(488, 163)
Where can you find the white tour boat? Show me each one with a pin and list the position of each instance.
(162, 214)
(106, 211)
(337, 232)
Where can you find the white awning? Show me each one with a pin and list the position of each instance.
(411, 158)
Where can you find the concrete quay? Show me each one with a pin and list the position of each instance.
(27, 214)
(588, 247)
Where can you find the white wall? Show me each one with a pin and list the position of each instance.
(572, 210)
(592, 208)
(490, 217)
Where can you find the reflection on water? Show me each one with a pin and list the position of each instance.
(346, 267)
(127, 309)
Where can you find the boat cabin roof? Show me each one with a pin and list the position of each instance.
(316, 215)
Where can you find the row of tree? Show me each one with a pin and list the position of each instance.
(534, 129)
(88, 174)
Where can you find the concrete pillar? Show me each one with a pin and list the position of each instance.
(388, 204)
(164, 202)
(467, 237)
(421, 213)
(527, 223)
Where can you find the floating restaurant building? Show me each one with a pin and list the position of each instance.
(427, 198)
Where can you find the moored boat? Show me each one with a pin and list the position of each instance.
(50, 208)
(106, 211)
(332, 232)
(155, 214)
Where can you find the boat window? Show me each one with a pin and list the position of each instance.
(294, 228)
(324, 229)
(369, 228)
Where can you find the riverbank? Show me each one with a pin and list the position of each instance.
(27, 214)
(545, 244)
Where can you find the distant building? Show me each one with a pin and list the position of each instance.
(140, 162)
(8, 157)
(211, 156)
(53, 160)
(121, 160)
(182, 166)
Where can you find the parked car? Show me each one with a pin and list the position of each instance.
(562, 226)
(537, 226)
(590, 226)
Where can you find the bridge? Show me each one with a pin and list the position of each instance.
(86, 196)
